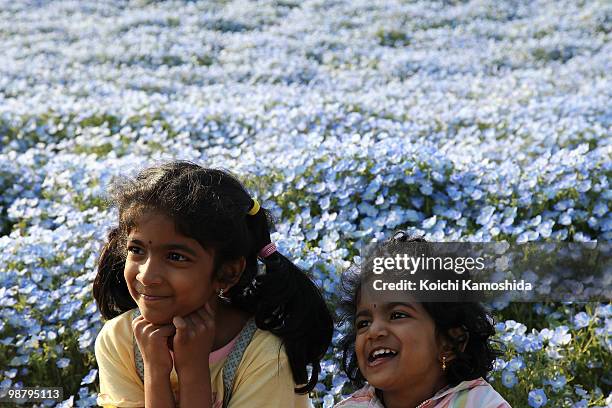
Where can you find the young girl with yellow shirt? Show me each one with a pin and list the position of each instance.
(192, 317)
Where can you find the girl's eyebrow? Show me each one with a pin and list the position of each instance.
(170, 246)
(391, 305)
(363, 312)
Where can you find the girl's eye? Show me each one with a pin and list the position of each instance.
(132, 248)
(173, 256)
(361, 324)
(398, 315)
(178, 255)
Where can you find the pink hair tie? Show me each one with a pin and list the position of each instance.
(267, 250)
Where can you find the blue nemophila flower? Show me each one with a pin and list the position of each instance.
(338, 383)
(566, 217)
(581, 404)
(604, 310)
(426, 189)
(600, 209)
(594, 364)
(531, 343)
(67, 403)
(63, 362)
(560, 336)
(516, 327)
(485, 215)
(328, 401)
(554, 353)
(428, 223)
(515, 364)
(83, 392)
(499, 364)
(582, 237)
(527, 236)
(10, 373)
(581, 320)
(541, 309)
(5, 384)
(537, 398)
(580, 391)
(509, 379)
(557, 382)
(545, 229)
(320, 387)
(19, 360)
(90, 377)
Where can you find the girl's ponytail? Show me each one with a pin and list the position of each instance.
(109, 287)
(213, 207)
(287, 303)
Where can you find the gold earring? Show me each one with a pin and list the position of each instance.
(443, 363)
(220, 295)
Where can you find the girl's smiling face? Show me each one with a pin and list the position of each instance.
(167, 274)
(396, 343)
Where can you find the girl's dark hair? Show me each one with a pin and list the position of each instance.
(474, 362)
(211, 206)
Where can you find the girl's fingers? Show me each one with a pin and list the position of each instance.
(190, 324)
(165, 331)
(211, 309)
(204, 322)
(195, 323)
(183, 322)
(197, 320)
(205, 314)
(143, 324)
(142, 327)
(179, 323)
(153, 331)
(184, 328)
(137, 322)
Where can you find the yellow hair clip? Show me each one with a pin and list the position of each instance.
(255, 208)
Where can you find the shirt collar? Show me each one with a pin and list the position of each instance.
(464, 385)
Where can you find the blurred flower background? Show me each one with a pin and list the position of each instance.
(461, 120)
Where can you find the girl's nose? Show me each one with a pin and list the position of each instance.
(378, 328)
(149, 274)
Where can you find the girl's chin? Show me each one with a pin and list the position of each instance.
(382, 381)
(156, 317)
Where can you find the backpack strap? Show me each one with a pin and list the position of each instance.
(233, 359)
(137, 356)
(231, 363)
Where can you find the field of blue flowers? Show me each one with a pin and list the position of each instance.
(461, 120)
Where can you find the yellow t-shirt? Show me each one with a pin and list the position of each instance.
(263, 377)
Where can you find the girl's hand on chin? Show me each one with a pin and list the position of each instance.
(193, 340)
(152, 341)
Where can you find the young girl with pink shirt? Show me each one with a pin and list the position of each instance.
(405, 353)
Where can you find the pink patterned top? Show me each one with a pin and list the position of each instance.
(468, 394)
